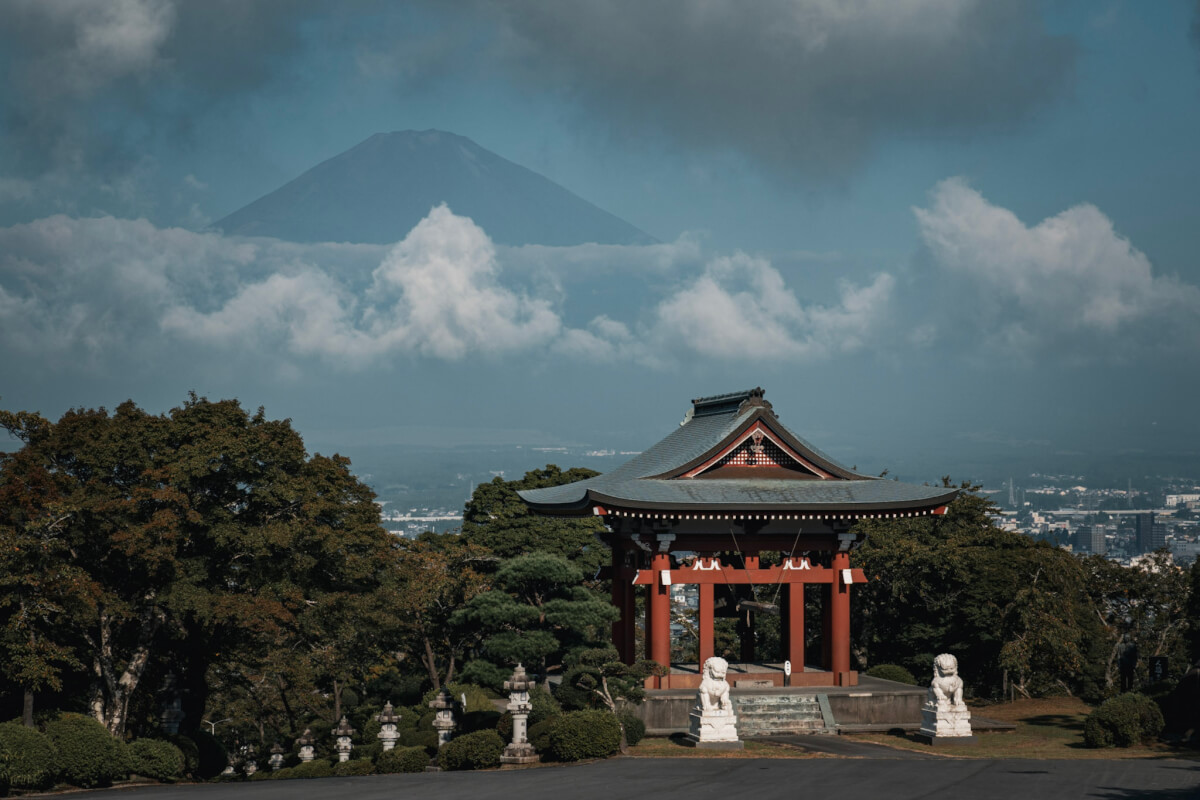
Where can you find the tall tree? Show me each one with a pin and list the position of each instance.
(438, 574)
(203, 533)
(497, 518)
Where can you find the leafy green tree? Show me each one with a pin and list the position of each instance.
(602, 674)
(1142, 607)
(959, 584)
(438, 574)
(204, 534)
(497, 518)
(537, 613)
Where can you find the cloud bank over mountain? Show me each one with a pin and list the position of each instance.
(96, 293)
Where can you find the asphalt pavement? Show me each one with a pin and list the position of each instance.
(761, 779)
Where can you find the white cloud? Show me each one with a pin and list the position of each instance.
(105, 292)
(1067, 280)
(740, 307)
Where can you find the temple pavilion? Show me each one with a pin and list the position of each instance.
(701, 506)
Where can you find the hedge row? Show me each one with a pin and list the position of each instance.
(78, 750)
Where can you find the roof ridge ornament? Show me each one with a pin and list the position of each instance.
(725, 403)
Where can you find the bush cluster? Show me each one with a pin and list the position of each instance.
(317, 768)
(578, 735)
(635, 729)
(539, 734)
(157, 759)
(478, 750)
(33, 762)
(892, 672)
(191, 753)
(87, 755)
(355, 766)
(402, 759)
(1122, 721)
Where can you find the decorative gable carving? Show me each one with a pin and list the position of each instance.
(757, 453)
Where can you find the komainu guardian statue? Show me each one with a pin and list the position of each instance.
(945, 716)
(713, 722)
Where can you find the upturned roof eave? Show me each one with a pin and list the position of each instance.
(585, 505)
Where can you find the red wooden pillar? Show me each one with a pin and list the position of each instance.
(704, 621)
(825, 591)
(793, 626)
(628, 614)
(659, 646)
(840, 617)
(619, 590)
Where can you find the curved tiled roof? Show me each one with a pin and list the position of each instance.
(655, 479)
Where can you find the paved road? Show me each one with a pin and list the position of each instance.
(761, 779)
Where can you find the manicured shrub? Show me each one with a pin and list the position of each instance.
(570, 696)
(635, 729)
(317, 768)
(355, 766)
(191, 753)
(87, 755)
(578, 735)
(539, 734)
(282, 774)
(402, 759)
(426, 739)
(263, 775)
(157, 759)
(478, 750)
(32, 759)
(543, 705)
(211, 758)
(892, 672)
(1122, 721)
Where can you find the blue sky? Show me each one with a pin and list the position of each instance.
(936, 231)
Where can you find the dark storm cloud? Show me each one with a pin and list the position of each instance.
(90, 84)
(806, 85)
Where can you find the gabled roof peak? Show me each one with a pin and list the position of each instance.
(730, 402)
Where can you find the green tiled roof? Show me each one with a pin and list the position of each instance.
(647, 481)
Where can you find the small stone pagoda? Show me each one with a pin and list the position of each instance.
(701, 505)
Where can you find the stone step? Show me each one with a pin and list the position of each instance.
(755, 718)
(769, 715)
(780, 726)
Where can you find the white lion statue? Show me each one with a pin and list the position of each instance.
(946, 686)
(714, 690)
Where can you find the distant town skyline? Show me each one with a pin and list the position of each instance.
(936, 232)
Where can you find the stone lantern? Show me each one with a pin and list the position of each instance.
(306, 744)
(520, 751)
(342, 733)
(251, 765)
(387, 721)
(276, 759)
(443, 721)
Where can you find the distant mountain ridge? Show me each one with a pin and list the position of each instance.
(377, 191)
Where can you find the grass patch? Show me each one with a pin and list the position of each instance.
(674, 747)
(1050, 727)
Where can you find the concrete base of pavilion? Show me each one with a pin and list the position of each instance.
(873, 704)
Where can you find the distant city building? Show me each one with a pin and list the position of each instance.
(1150, 535)
(1090, 539)
(1175, 500)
